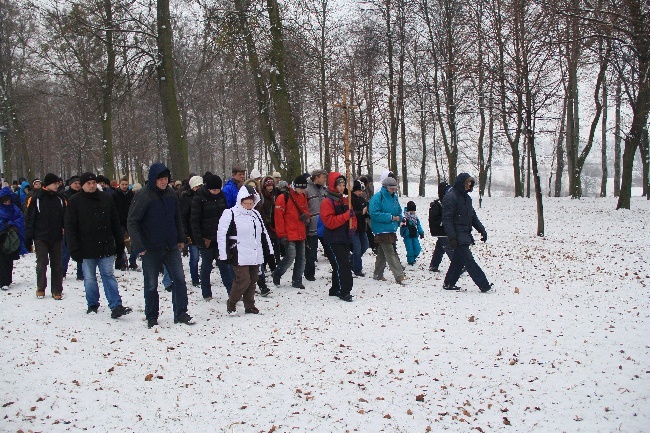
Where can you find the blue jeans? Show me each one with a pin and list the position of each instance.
(167, 280)
(152, 260)
(463, 257)
(105, 265)
(442, 247)
(295, 251)
(65, 260)
(359, 247)
(208, 256)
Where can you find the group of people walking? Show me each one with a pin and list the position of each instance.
(247, 227)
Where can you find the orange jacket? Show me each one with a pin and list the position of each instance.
(287, 216)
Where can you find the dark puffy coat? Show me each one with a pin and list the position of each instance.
(122, 204)
(154, 221)
(69, 193)
(45, 215)
(187, 197)
(458, 215)
(358, 204)
(205, 215)
(268, 207)
(92, 226)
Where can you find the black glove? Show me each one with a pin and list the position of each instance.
(484, 236)
(421, 235)
(453, 243)
(304, 218)
(119, 262)
(284, 242)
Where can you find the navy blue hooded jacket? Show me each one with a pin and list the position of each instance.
(154, 221)
(458, 215)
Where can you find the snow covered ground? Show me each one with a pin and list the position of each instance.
(562, 344)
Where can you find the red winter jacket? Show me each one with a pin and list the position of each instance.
(287, 216)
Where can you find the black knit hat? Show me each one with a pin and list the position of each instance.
(212, 181)
(410, 206)
(300, 182)
(85, 177)
(49, 179)
(72, 179)
(358, 186)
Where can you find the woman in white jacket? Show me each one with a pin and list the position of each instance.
(242, 239)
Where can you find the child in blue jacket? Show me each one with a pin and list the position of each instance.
(411, 231)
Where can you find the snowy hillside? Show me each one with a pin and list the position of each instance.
(562, 344)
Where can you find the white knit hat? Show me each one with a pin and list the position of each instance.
(196, 181)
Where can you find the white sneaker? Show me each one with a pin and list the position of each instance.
(5, 287)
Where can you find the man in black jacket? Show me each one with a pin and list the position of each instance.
(207, 207)
(157, 234)
(93, 235)
(73, 188)
(186, 198)
(458, 218)
(123, 197)
(44, 226)
(437, 229)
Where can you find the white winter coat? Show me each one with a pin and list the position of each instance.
(250, 230)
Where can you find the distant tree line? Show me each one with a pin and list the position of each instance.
(114, 85)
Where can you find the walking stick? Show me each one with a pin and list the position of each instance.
(348, 161)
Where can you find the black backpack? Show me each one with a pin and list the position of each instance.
(435, 219)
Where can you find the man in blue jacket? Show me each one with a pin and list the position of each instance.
(231, 188)
(458, 218)
(156, 231)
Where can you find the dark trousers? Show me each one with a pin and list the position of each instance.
(463, 257)
(152, 262)
(442, 247)
(65, 259)
(6, 270)
(339, 257)
(311, 255)
(244, 285)
(208, 256)
(49, 253)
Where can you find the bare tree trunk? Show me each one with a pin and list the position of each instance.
(107, 94)
(392, 146)
(559, 151)
(645, 162)
(603, 138)
(179, 163)
(280, 94)
(617, 139)
(573, 119)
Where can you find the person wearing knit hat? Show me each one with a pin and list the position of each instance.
(74, 187)
(255, 174)
(187, 198)
(411, 232)
(385, 216)
(36, 183)
(360, 239)
(49, 179)
(137, 186)
(291, 220)
(123, 198)
(207, 207)
(44, 226)
(437, 229)
(94, 237)
(85, 177)
(316, 190)
(277, 177)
